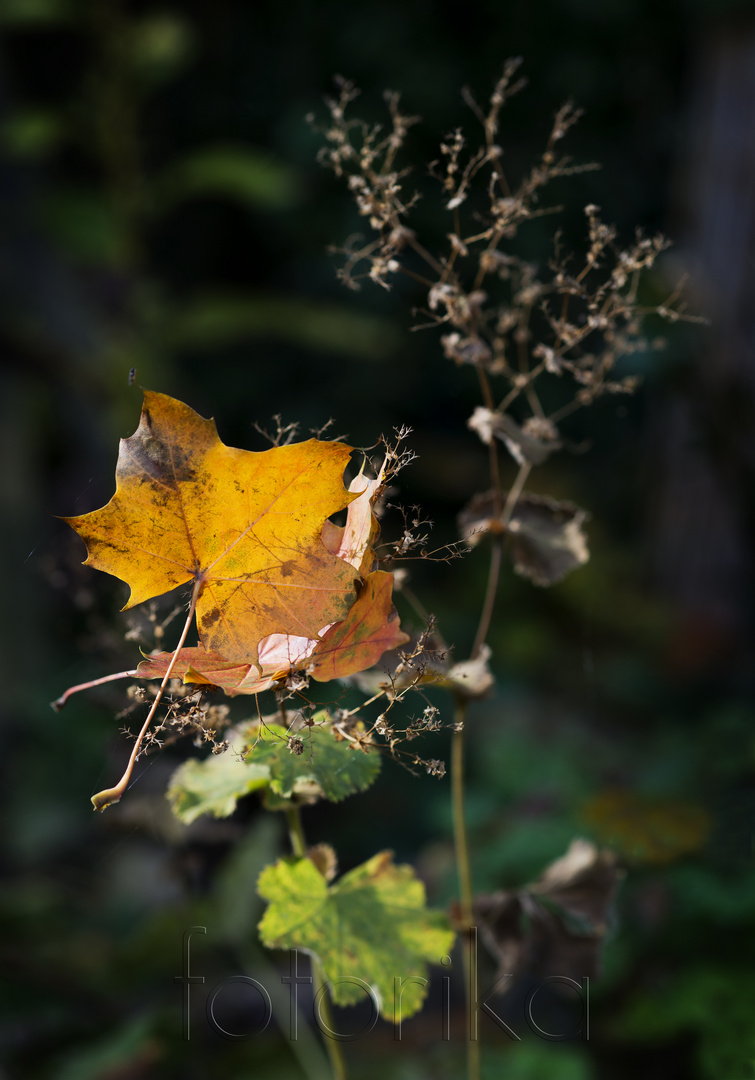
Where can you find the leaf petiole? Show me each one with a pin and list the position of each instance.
(58, 704)
(106, 798)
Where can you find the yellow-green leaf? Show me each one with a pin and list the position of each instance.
(372, 925)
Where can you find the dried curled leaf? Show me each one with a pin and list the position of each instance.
(352, 645)
(531, 444)
(468, 679)
(279, 654)
(370, 629)
(471, 679)
(325, 859)
(371, 927)
(246, 526)
(353, 542)
(546, 537)
(558, 923)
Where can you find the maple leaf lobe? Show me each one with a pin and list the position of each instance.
(153, 450)
(247, 525)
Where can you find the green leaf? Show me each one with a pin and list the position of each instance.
(214, 785)
(372, 925)
(325, 768)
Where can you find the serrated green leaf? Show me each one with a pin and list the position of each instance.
(333, 769)
(214, 786)
(324, 769)
(372, 925)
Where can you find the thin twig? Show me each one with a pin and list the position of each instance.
(106, 798)
(515, 492)
(494, 575)
(58, 704)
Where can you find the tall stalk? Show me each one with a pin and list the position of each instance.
(463, 869)
(461, 842)
(333, 1047)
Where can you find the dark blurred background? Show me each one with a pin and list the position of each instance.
(161, 209)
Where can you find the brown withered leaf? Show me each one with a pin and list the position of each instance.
(582, 883)
(545, 536)
(479, 517)
(532, 443)
(197, 667)
(370, 629)
(556, 925)
(325, 859)
(469, 679)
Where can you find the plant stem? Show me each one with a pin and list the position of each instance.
(296, 832)
(333, 1047)
(106, 798)
(515, 492)
(496, 553)
(459, 820)
(463, 869)
(494, 574)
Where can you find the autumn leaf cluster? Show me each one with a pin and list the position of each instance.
(277, 585)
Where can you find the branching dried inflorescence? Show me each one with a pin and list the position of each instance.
(187, 712)
(282, 435)
(500, 313)
(521, 325)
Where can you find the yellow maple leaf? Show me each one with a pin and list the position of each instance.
(245, 527)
